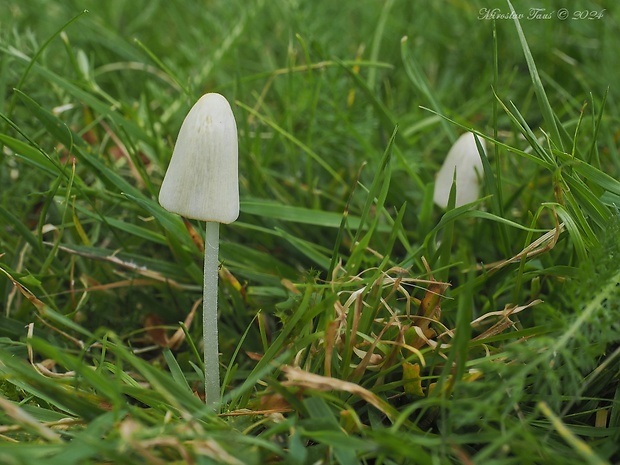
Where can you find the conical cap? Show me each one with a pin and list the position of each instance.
(202, 180)
(463, 158)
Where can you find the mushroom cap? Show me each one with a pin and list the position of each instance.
(465, 159)
(202, 180)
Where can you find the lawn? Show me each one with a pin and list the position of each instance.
(359, 321)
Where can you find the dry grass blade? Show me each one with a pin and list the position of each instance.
(504, 322)
(297, 377)
(158, 334)
(129, 265)
(40, 306)
(541, 245)
(43, 367)
(27, 420)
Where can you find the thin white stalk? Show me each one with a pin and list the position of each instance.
(209, 314)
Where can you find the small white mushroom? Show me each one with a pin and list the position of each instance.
(202, 182)
(463, 158)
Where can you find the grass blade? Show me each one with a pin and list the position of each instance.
(543, 101)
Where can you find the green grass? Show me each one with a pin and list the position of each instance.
(358, 322)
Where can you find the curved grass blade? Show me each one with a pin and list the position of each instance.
(543, 101)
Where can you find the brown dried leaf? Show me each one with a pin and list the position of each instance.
(39, 305)
(274, 402)
(254, 356)
(196, 239)
(429, 307)
(290, 286)
(374, 360)
(153, 325)
(226, 276)
(179, 335)
(330, 339)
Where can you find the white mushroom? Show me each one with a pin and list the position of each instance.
(463, 158)
(202, 183)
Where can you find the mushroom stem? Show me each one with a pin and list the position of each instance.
(209, 314)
